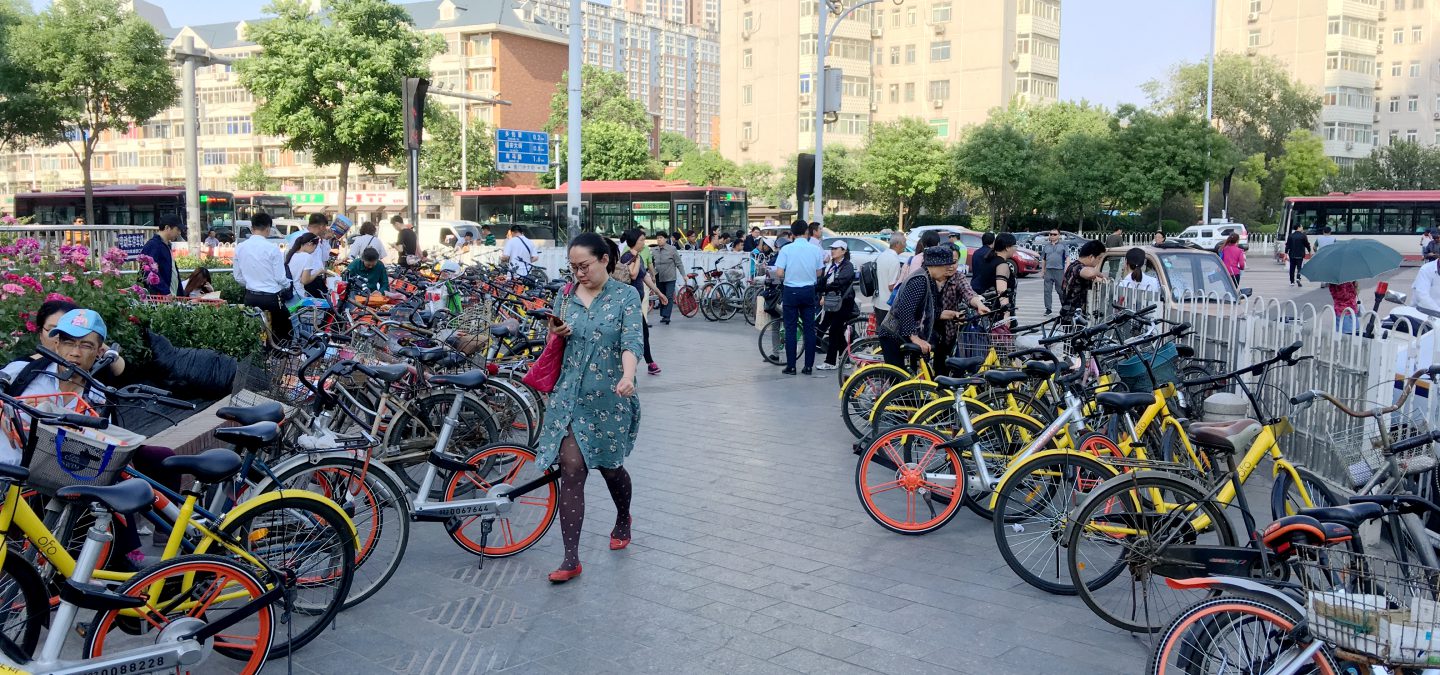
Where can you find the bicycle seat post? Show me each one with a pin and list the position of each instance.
(66, 613)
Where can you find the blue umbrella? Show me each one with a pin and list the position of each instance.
(1351, 260)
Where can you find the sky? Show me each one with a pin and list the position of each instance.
(1108, 47)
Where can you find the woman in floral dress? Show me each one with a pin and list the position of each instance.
(593, 416)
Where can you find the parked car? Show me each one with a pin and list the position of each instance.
(1027, 261)
(912, 238)
(770, 231)
(1182, 272)
(1209, 237)
(1033, 240)
(862, 249)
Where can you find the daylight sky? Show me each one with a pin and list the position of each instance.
(1108, 47)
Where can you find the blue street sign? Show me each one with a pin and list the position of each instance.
(522, 151)
(130, 244)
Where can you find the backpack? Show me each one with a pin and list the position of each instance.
(22, 380)
(869, 278)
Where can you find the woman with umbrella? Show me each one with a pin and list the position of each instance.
(1341, 266)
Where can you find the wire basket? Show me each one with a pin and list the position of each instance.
(1360, 447)
(734, 275)
(277, 378)
(1163, 362)
(1371, 606)
(64, 456)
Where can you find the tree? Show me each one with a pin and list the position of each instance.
(1001, 162)
(609, 118)
(25, 114)
(440, 153)
(674, 145)
(705, 167)
(844, 173)
(904, 167)
(1256, 102)
(612, 151)
(1049, 124)
(604, 95)
(1402, 165)
(1080, 176)
(760, 181)
(330, 83)
(252, 176)
(1304, 164)
(1245, 204)
(94, 67)
(1166, 155)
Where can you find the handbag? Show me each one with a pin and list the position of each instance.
(832, 302)
(622, 272)
(545, 372)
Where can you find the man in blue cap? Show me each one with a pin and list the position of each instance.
(158, 248)
(81, 338)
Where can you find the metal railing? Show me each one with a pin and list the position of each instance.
(98, 238)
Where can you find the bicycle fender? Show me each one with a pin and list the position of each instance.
(904, 373)
(1127, 476)
(265, 498)
(1010, 471)
(295, 460)
(1238, 585)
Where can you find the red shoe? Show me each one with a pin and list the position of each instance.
(617, 544)
(562, 576)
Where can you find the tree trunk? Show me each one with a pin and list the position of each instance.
(344, 183)
(86, 156)
(900, 216)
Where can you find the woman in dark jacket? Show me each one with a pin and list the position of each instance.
(837, 281)
(914, 313)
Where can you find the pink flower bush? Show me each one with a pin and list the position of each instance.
(13, 289)
(67, 278)
(58, 296)
(152, 279)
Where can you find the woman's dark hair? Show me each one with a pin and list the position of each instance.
(197, 280)
(1003, 241)
(631, 236)
(598, 246)
(1233, 239)
(367, 227)
(370, 255)
(1087, 249)
(928, 238)
(50, 307)
(300, 242)
(1135, 259)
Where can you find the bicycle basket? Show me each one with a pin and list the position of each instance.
(1371, 606)
(1163, 362)
(65, 456)
(1361, 449)
(734, 276)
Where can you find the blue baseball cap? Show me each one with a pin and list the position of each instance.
(78, 323)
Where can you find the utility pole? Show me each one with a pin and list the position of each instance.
(1209, 108)
(577, 46)
(190, 57)
(817, 89)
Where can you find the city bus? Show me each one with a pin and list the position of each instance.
(248, 204)
(126, 205)
(1394, 218)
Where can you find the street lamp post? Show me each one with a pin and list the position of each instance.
(1209, 108)
(190, 57)
(818, 88)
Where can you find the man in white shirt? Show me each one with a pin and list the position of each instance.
(887, 273)
(798, 266)
(519, 252)
(319, 226)
(1426, 288)
(260, 268)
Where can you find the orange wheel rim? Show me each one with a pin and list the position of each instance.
(513, 535)
(910, 478)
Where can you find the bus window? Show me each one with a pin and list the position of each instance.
(1394, 220)
(1362, 219)
(1426, 217)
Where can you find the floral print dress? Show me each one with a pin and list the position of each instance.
(584, 401)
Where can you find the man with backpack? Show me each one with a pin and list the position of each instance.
(887, 275)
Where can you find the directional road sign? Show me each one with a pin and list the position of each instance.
(522, 151)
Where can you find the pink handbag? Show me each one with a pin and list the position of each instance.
(545, 372)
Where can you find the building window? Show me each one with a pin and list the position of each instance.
(909, 92)
(909, 54)
(1394, 136)
(749, 22)
(747, 94)
(1355, 63)
(1395, 69)
(894, 93)
(940, 51)
(940, 12)
(1254, 39)
(804, 83)
(1417, 34)
(1413, 104)
(911, 16)
(1414, 69)
(1413, 135)
(1437, 137)
(747, 131)
(1254, 6)
(941, 127)
(1399, 36)
(895, 18)
(747, 59)
(1399, 5)
(1394, 104)
(939, 90)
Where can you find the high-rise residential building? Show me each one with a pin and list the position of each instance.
(1376, 63)
(702, 13)
(493, 48)
(948, 62)
(671, 65)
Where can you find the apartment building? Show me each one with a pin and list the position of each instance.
(948, 62)
(670, 58)
(1375, 62)
(493, 48)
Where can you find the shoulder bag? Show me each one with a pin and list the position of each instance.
(545, 372)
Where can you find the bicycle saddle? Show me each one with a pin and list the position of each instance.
(265, 412)
(1116, 401)
(391, 372)
(1350, 515)
(1185, 351)
(14, 472)
(504, 329)
(965, 365)
(426, 355)
(957, 382)
(556, 285)
(129, 496)
(1224, 436)
(1041, 369)
(473, 379)
(910, 348)
(1000, 378)
(1282, 535)
(211, 466)
(249, 436)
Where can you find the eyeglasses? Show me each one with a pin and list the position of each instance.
(583, 268)
(78, 343)
(1054, 234)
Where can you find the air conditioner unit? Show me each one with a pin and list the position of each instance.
(1349, 146)
(1251, 51)
(939, 29)
(1379, 84)
(804, 99)
(1253, 17)
(876, 32)
(1014, 58)
(1379, 49)
(1436, 116)
(744, 144)
(875, 107)
(938, 103)
(745, 34)
(1382, 16)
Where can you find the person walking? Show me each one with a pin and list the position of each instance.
(1344, 298)
(519, 252)
(798, 267)
(1080, 276)
(593, 416)
(1297, 246)
(913, 316)
(995, 275)
(1053, 253)
(1325, 238)
(836, 287)
(668, 271)
(1116, 238)
(887, 272)
(640, 279)
(167, 276)
(367, 240)
(260, 269)
(1233, 257)
(407, 243)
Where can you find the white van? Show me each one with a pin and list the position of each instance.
(1209, 237)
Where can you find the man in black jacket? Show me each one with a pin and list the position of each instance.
(1297, 246)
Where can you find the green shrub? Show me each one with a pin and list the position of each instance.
(230, 290)
(224, 328)
(190, 262)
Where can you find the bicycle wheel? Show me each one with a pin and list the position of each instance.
(1195, 396)
(415, 431)
(858, 396)
(1032, 508)
(192, 588)
(515, 420)
(1235, 635)
(772, 343)
(24, 603)
(1000, 436)
(686, 302)
(710, 302)
(1024, 402)
(862, 352)
(313, 542)
(909, 482)
(498, 468)
(899, 404)
(729, 301)
(1118, 536)
(1286, 498)
(751, 292)
(940, 415)
(376, 504)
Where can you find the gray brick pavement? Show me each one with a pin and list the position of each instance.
(751, 555)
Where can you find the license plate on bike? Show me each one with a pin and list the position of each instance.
(1186, 561)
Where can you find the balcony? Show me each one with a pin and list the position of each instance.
(1029, 63)
(1346, 149)
(1029, 23)
(1354, 45)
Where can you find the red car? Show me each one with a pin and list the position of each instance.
(1027, 262)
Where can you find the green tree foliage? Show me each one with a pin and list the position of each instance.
(440, 156)
(252, 176)
(611, 122)
(93, 66)
(330, 83)
(1051, 123)
(1080, 175)
(1002, 162)
(1166, 155)
(1402, 165)
(612, 151)
(705, 167)
(1256, 102)
(1304, 164)
(25, 114)
(604, 95)
(760, 180)
(1245, 206)
(674, 145)
(844, 173)
(904, 167)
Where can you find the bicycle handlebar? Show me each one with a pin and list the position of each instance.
(133, 392)
(65, 419)
(1308, 397)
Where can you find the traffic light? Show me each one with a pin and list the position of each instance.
(415, 88)
(805, 182)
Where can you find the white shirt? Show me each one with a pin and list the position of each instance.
(259, 265)
(365, 241)
(44, 384)
(887, 273)
(1146, 284)
(1426, 288)
(521, 253)
(299, 263)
